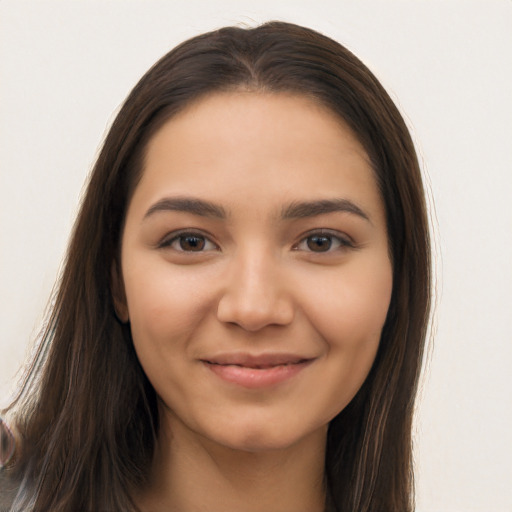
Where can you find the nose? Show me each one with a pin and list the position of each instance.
(255, 294)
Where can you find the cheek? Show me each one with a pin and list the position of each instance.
(349, 320)
(165, 305)
(352, 309)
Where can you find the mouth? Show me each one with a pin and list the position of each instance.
(260, 371)
(256, 360)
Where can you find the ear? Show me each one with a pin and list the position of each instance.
(118, 293)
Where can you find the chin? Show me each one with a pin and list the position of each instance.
(268, 437)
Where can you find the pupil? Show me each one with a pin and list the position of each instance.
(319, 243)
(192, 243)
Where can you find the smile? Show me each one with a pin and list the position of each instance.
(257, 371)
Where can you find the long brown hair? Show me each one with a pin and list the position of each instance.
(87, 416)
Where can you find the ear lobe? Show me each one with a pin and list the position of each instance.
(118, 294)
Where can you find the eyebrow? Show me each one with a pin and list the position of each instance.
(188, 205)
(300, 210)
(295, 210)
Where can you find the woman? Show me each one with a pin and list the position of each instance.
(241, 318)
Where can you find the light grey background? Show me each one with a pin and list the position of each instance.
(65, 66)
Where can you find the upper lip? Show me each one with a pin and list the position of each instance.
(256, 360)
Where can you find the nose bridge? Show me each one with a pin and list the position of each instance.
(255, 294)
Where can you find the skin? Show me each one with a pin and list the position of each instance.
(314, 284)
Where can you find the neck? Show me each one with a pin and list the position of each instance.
(191, 474)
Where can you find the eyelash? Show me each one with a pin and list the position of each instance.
(180, 236)
(340, 242)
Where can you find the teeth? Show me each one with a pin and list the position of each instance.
(256, 367)
(265, 366)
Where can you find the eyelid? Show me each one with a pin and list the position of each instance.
(345, 241)
(174, 236)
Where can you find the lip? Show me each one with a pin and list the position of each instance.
(257, 371)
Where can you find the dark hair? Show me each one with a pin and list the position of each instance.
(87, 417)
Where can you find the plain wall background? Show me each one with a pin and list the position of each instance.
(65, 66)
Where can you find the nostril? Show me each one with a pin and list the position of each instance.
(255, 316)
(255, 294)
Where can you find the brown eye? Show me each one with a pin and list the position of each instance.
(191, 243)
(319, 243)
(324, 242)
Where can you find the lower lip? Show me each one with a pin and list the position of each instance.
(257, 377)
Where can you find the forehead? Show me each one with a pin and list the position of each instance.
(260, 116)
(231, 142)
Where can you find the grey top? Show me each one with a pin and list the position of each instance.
(8, 490)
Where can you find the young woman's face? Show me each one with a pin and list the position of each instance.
(255, 268)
